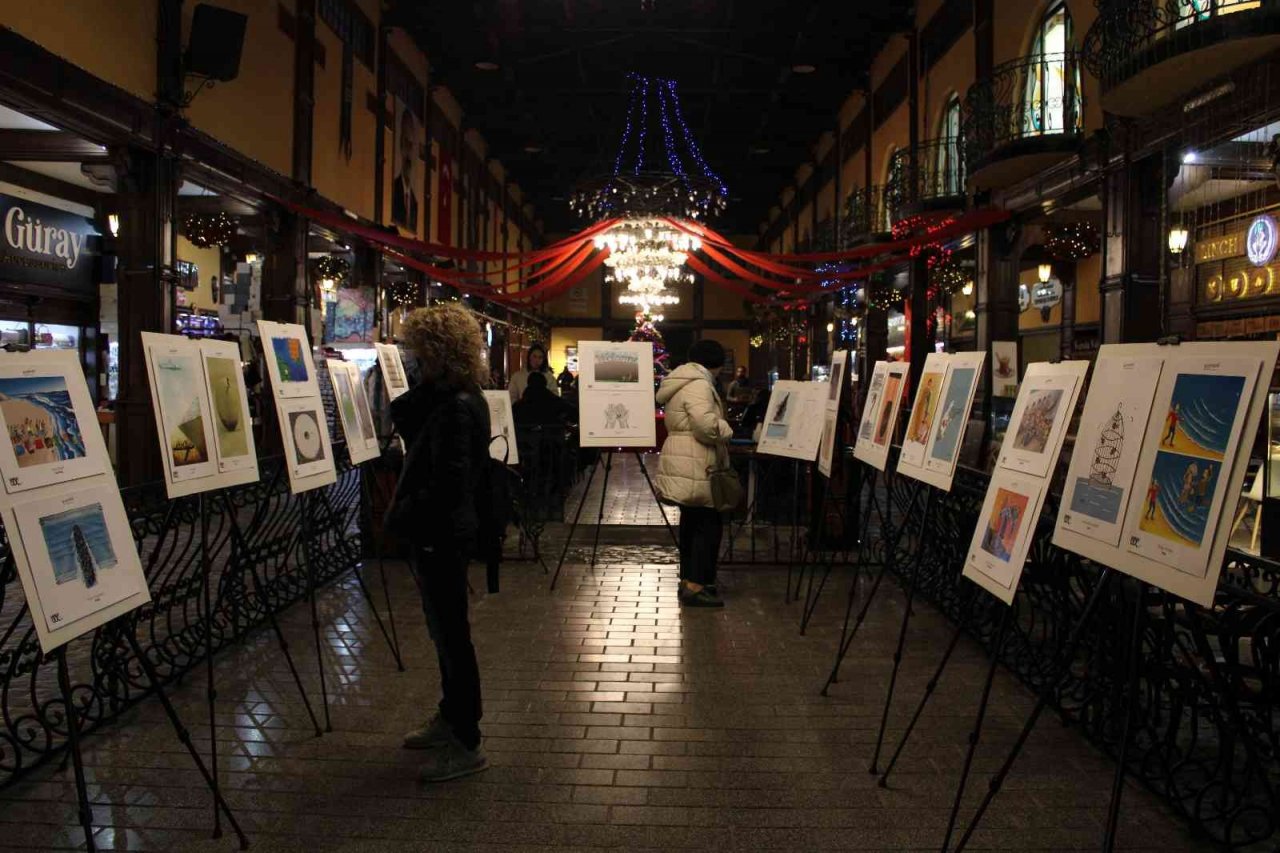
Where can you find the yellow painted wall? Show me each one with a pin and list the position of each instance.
(569, 336)
(207, 261)
(736, 341)
(721, 304)
(404, 50)
(1088, 296)
(116, 44)
(253, 113)
(348, 182)
(951, 75)
(1030, 319)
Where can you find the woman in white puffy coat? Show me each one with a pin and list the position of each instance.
(697, 441)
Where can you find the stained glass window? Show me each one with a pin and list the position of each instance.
(949, 176)
(1050, 99)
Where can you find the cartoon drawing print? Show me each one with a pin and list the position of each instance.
(926, 401)
(617, 416)
(1037, 420)
(41, 420)
(1179, 497)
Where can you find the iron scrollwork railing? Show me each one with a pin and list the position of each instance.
(1206, 732)
(106, 678)
(863, 215)
(1033, 97)
(939, 176)
(1131, 35)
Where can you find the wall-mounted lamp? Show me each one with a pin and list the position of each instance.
(831, 327)
(1045, 272)
(1178, 237)
(251, 258)
(113, 224)
(967, 290)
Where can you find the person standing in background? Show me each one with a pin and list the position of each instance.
(535, 361)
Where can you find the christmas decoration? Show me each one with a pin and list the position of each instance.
(1071, 241)
(638, 187)
(945, 274)
(403, 294)
(331, 267)
(207, 230)
(647, 330)
(881, 294)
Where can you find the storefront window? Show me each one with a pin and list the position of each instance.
(1050, 99)
(948, 165)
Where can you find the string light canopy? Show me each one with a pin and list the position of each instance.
(1071, 241)
(331, 268)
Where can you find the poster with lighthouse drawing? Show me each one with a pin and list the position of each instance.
(1190, 446)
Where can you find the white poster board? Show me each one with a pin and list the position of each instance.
(391, 363)
(1046, 401)
(1004, 368)
(793, 421)
(70, 537)
(180, 402)
(924, 410)
(880, 413)
(353, 411)
(233, 445)
(615, 394)
(1176, 525)
(304, 429)
(955, 400)
(840, 366)
(1095, 496)
(1011, 510)
(289, 362)
(502, 428)
(50, 420)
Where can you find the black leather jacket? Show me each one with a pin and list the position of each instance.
(445, 477)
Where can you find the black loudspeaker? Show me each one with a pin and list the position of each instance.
(217, 39)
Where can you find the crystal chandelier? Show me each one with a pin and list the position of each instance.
(647, 257)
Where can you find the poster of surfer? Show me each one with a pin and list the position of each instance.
(77, 559)
(793, 421)
(49, 419)
(1187, 456)
(1108, 443)
(1046, 401)
(615, 394)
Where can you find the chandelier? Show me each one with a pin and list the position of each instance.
(647, 257)
(658, 169)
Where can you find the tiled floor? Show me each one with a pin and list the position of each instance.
(628, 498)
(613, 719)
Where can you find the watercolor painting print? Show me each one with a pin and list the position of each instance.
(1037, 421)
(179, 387)
(616, 366)
(921, 422)
(40, 420)
(230, 425)
(780, 421)
(1179, 497)
(955, 414)
(78, 544)
(1008, 514)
(308, 447)
(1200, 414)
(872, 406)
(363, 413)
(888, 408)
(290, 359)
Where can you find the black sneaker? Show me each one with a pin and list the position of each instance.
(702, 598)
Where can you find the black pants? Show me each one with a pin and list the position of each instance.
(701, 529)
(442, 581)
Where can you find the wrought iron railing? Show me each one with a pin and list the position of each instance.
(1206, 737)
(106, 678)
(864, 214)
(939, 175)
(1034, 97)
(1131, 35)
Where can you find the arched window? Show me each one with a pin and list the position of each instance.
(948, 176)
(1052, 95)
(895, 186)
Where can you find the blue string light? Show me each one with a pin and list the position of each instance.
(644, 122)
(688, 139)
(672, 157)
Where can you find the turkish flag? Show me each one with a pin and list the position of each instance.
(444, 198)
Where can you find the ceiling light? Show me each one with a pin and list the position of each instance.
(804, 68)
(533, 148)
(1189, 157)
(759, 149)
(487, 65)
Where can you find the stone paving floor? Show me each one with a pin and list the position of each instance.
(613, 720)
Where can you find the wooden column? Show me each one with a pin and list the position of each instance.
(921, 343)
(1132, 247)
(995, 292)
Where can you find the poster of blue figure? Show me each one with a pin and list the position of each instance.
(955, 411)
(1200, 413)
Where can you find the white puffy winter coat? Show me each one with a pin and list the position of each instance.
(697, 435)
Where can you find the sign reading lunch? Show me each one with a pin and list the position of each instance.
(44, 245)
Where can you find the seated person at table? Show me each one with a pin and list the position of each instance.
(540, 407)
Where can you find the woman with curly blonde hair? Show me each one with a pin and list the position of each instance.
(439, 506)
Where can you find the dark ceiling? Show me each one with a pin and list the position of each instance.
(553, 109)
